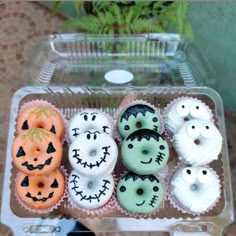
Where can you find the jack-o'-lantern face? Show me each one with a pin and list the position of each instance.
(40, 192)
(36, 151)
(41, 117)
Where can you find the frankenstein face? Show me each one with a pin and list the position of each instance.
(145, 151)
(136, 117)
(140, 193)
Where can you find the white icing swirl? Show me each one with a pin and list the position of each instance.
(197, 142)
(183, 110)
(195, 189)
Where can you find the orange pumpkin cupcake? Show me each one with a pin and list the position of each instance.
(40, 114)
(40, 192)
(36, 151)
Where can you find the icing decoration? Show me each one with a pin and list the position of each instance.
(89, 119)
(90, 192)
(93, 153)
(40, 192)
(145, 152)
(185, 109)
(42, 116)
(138, 116)
(36, 151)
(140, 193)
(198, 142)
(195, 189)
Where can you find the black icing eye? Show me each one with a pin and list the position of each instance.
(20, 152)
(204, 172)
(155, 189)
(162, 147)
(154, 119)
(95, 137)
(188, 172)
(50, 148)
(130, 146)
(126, 127)
(88, 136)
(183, 106)
(85, 117)
(197, 107)
(122, 189)
(53, 129)
(207, 127)
(93, 117)
(54, 184)
(25, 182)
(193, 127)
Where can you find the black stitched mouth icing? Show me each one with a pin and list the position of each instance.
(44, 199)
(146, 162)
(89, 198)
(91, 165)
(39, 166)
(140, 204)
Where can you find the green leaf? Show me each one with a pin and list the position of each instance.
(129, 17)
(55, 7)
(78, 5)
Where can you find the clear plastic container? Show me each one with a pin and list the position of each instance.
(69, 71)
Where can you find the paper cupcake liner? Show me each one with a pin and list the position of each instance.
(46, 210)
(168, 106)
(126, 213)
(39, 102)
(112, 122)
(123, 107)
(95, 212)
(177, 205)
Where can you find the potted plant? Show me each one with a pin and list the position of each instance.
(128, 17)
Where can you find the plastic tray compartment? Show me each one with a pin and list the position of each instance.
(71, 98)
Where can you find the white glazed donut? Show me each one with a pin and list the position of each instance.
(90, 192)
(89, 119)
(197, 142)
(195, 189)
(185, 109)
(93, 153)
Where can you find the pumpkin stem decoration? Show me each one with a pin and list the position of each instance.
(37, 133)
(42, 111)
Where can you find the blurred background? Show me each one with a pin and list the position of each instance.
(209, 25)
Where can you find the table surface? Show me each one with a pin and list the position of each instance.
(22, 25)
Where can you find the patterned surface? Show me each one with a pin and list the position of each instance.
(22, 25)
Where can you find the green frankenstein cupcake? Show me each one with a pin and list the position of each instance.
(139, 194)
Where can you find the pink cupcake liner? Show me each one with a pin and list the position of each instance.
(123, 107)
(124, 212)
(39, 102)
(112, 122)
(175, 204)
(96, 211)
(167, 107)
(46, 210)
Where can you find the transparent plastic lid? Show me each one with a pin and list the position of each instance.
(140, 60)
